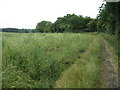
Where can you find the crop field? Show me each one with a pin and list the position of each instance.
(51, 60)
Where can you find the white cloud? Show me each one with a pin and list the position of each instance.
(26, 13)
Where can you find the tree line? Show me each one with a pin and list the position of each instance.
(16, 30)
(68, 23)
(108, 21)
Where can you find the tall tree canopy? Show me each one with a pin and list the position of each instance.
(109, 18)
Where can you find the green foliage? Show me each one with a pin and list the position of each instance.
(44, 26)
(91, 26)
(14, 78)
(109, 19)
(71, 23)
(68, 23)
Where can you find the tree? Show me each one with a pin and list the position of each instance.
(91, 26)
(60, 25)
(108, 18)
(44, 26)
(86, 21)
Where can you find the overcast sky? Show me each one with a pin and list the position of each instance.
(27, 13)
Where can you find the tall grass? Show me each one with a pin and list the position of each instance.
(113, 41)
(38, 60)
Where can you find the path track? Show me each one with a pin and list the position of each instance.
(109, 72)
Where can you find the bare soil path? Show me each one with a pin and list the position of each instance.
(109, 73)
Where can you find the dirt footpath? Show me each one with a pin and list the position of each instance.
(109, 73)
